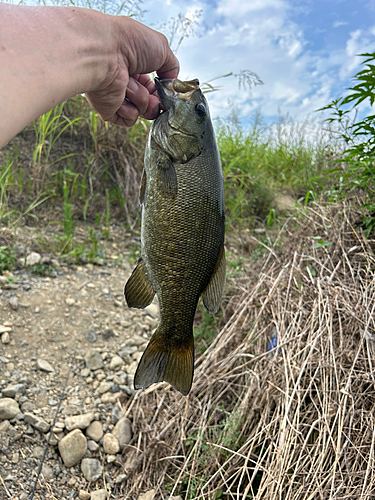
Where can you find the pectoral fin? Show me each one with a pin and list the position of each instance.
(165, 361)
(167, 176)
(142, 189)
(138, 289)
(214, 291)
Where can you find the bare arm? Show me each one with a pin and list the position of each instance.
(49, 54)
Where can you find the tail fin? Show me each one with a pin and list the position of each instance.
(164, 361)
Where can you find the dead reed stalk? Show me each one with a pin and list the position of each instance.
(294, 422)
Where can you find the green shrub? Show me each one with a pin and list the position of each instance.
(357, 163)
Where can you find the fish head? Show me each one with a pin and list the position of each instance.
(182, 127)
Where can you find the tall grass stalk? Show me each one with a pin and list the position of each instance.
(48, 129)
(264, 161)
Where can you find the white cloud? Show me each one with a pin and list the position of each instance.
(260, 35)
(359, 42)
(337, 24)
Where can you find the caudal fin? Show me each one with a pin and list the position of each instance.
(164, 361)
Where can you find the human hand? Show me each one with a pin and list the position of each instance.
(128, 91)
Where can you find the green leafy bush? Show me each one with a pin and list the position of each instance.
(357, 169)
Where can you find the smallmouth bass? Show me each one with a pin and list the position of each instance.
(182, 233)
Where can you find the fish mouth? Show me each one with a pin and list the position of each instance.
(170, 89)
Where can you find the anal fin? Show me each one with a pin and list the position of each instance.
(138, 289)
(215, 288)
(163, 361)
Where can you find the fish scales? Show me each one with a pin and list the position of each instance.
(182, 234)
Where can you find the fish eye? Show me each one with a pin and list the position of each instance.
(200, 109)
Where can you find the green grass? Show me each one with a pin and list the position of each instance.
(262, 162)
(7, 259)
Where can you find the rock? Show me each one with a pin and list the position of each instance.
(132, 368)
(70, 301)
(84, 495)
(123, 432)
(108, 398)
(79, 421)
(111, 445)
(91, 335)
(95, 431)
(91, 468)
(177, 497)
(44, 365)
(4, 426)
(32, 259)
(47, 472)
(5, 329)
(104, 387)
(37, 422)
(85, 372)
(93, 360)
(8, 408)
(148, 495)
(37, 452)
(121, 478)
(99, 495)
(73, 447)
(12, 390)
(92, 446)
(107, 333)
(13, 302)
(115, 363)
(5, 338)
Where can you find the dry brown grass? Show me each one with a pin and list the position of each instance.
(294, 423)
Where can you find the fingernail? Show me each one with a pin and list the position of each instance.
(132, 85)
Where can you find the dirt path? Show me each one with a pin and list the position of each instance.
(79, 314)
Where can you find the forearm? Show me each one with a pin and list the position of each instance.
(47, 55)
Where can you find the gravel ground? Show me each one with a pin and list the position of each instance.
(72, 328)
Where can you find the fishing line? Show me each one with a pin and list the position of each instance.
(72, 361)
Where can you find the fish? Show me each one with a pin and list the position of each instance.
(182, 232)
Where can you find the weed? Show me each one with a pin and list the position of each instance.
(43, 269)
(5, 181)
(48, 128)
(8, 259)
(205, 333)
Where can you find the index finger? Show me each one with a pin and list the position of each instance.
(171, 66)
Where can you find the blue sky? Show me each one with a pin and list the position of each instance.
(304, 51)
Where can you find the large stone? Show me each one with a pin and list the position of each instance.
(104, 387)
(5, 329)
(91, 468)
(79, 421)
(5, 338)
(99, 495)
(115, 363)
(111, 445)
(37, 422)
(93, 360)
(11, 390)
(84, 495)
(32, 259)
(123, 432)
(148, 495)
(8, 408)
(95, 431)
(72, 447)
(13, 302)
(4, 426)
(44, 365)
